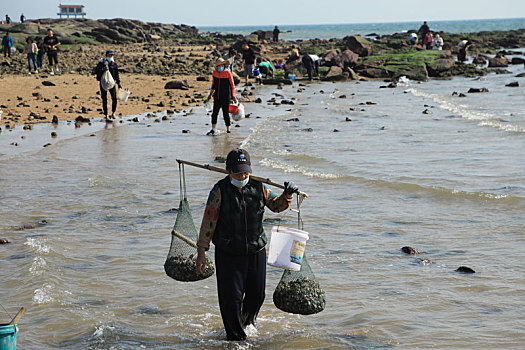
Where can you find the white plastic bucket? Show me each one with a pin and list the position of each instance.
(287, 248)
(123, 95)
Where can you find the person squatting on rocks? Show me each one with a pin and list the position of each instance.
(428, 40)
(248, 61)
(233, 221)
(51, 44)
(7, 43)
(31, 49)
(463, 47)
(311, 64)
(222, 90)
(437, 44)
(108, 63)
(266, 68)
(412, 39)
(275, 33)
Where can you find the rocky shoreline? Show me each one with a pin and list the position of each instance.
(162, 53)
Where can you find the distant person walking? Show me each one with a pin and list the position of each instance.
(7, 19)
(51, 43)
(248, 61)
(438, 43)
(428, 40)
(311, 64)
(230, 57)
(222, 90)
(31, 49)
(7, 43)
(463, 46)
(424, 29)
(104, 64)
(276, 32)
(22, 18)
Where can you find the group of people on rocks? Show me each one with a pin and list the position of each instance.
(429, 41)
(9, 21)
(35, 50)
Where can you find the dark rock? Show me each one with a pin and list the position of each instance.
(358, 44)
(54, 120)
(54, 134)
(136, 119)
(336, 74)
(165, 117)
(342, 96)
(277, 81)
(177, 84)
(513, 84)
(462, 95)
(292, 120)
(336, 130)
(47, 145)
(4, 241)
(409, 250)
(186, 131)
(465, 269)
(202, 79)
(348, 119)
(48, 83)
(81, 119)
(308, 129)
(498, 62)
(517, 60)
(427, 111)
(436, 68)
(474, 90)
(480, 60)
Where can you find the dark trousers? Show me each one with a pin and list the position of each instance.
(217, 106)
(241, 283)
(104, 95)
(7, 51)
(52, 56)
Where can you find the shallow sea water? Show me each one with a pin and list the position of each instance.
(89, 219)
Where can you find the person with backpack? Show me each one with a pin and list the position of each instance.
(7, 43)
(428, 40)
(222, 90)
(108, 64)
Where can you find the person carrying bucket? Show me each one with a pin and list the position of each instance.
(222, 90)
(233, 221)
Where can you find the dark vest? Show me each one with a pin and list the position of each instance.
(239, 229)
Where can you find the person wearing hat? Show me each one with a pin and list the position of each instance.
(222, 90)
(108, 63)
(233, 221)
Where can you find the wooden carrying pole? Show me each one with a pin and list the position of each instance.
(221, 170)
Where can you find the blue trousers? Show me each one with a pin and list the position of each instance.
(241, 283)
(32, 61)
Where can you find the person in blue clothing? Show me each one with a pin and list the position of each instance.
(7, 43)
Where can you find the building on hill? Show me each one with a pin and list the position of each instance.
(71, 10)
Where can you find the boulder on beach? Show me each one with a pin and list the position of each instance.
(336, 73)
(177, 84)
(498, 62)
(358, 44)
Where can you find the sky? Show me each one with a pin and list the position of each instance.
(269, 12)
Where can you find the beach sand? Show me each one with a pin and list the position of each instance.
(74, 91)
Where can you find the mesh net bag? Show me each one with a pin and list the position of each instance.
(182, 257)
(299, 292)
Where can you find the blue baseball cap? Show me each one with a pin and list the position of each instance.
(110, 53)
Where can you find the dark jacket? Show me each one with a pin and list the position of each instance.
(223, 85)
(239, 228)
(113, 69)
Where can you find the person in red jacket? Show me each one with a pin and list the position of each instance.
(428, 40)
(222, 90)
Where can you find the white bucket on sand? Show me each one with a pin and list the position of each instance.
(123, 95)
(287, 247)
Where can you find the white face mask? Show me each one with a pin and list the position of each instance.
(220, 69)
(110, 59)
(238, 183)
